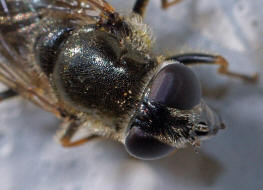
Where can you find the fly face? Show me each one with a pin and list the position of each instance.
(171, 114)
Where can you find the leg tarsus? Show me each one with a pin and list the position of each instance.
(166, 4)
(7, 94)
(223, 69)
(195, 58)
(69, 132)
(66, 142)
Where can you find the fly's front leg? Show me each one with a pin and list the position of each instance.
(140, 5)
(166, 3)
(7, 94)
(67, 133)
(194, 58)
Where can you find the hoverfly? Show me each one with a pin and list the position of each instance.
(93, 68)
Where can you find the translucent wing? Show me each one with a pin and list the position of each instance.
(85, 10)
(22, 77)
(20, 21)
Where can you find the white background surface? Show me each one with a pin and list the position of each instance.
(30, 159)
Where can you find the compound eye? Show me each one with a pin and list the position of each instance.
(176, 86)
(144, 146)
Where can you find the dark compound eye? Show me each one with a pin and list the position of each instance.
(176, 86)
(144, 146)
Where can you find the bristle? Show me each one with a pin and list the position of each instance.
(141, 37)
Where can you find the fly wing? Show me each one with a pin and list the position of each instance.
(19, 21)
(26, 78)
(84, 10)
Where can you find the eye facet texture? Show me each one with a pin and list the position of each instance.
(176, 86)
(144, 146)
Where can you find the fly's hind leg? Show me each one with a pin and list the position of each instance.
(7, 94)
(67, 133)
(194, 58)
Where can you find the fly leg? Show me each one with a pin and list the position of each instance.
(195, 58)
(7, 94)
(166, 3)
(140, 5)
(67, 133)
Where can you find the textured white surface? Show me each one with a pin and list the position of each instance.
(31, 159)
